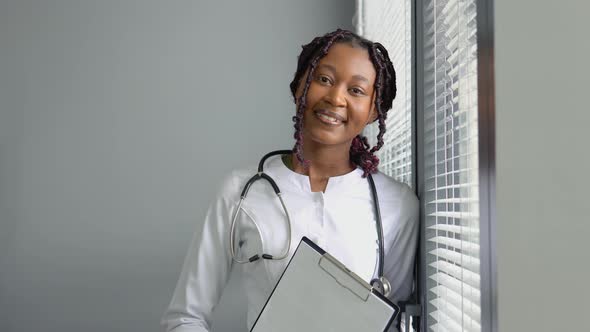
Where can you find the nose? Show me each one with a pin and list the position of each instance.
(336, 96)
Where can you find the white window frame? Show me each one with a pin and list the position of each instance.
(486, 138)
(486, 148)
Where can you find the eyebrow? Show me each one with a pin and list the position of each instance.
(332, 69)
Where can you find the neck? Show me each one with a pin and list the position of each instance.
(325, 161)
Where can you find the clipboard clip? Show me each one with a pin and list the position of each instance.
(345, 277)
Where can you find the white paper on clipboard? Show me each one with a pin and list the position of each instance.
(316, 293)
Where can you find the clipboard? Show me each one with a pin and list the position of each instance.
(317, 293)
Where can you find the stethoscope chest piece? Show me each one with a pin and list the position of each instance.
(381, 285)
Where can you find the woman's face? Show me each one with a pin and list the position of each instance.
(340, 99)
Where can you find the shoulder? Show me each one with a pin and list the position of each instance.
(234, 181)
(392, 189)
(396, 198)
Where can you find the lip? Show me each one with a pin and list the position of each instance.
(331, 114)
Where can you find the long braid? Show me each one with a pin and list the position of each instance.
(378, 97)
(304, 62)
(302, 102)
(360, 152)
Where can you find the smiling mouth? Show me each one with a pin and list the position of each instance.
(328, 117)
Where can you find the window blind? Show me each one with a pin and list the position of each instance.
(389, 22)
(451, 194)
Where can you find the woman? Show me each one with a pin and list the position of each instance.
(343, 82)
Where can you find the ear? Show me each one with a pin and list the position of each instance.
(373, 114)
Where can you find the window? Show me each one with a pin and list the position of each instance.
(389, 22)
(448, 93)
(450, 199)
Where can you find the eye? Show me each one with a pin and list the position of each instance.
(357, 91)
(324, 79)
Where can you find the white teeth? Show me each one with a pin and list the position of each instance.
(328, 118)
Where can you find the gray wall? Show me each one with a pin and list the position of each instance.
(543, 160)
(117, 121)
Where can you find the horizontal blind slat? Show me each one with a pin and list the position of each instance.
(456, 314)
(469, 247)
(465, 275)
(467, 306)
(458, 286)
(463, 230)
(467, 261)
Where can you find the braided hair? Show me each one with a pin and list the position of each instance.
(361, 154)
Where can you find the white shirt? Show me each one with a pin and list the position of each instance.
(340, 220)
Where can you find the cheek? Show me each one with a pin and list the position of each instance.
(314, 94)
(362, 113)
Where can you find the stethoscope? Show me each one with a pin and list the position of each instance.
(380, 283)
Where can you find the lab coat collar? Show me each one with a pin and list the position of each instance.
(343, 183)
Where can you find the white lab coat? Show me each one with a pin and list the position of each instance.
(340, 220)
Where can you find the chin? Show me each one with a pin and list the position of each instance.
(325, 138)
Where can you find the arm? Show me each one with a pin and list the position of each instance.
(205, 272)
(399, 259)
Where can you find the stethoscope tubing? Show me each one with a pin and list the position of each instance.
(380, 283)
(256, 177)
